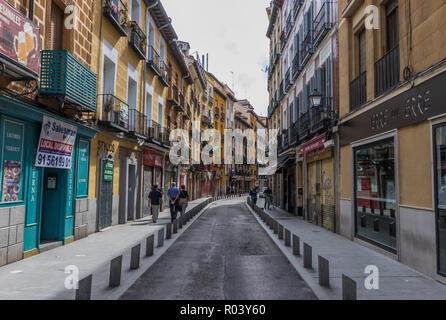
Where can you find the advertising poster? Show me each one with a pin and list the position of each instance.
(20, 38)
(11, 181)
(56, 144)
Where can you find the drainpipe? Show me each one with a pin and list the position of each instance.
(31, 10)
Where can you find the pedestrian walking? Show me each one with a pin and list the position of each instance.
(253, 194)
(184, 199)
(268, 198)
(155, 197)
(173, 193)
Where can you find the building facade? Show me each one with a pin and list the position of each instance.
(304, 104)
(46, 125)
(392, 126)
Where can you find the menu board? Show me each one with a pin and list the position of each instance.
(11, 181)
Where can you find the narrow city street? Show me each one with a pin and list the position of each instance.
(225, 254)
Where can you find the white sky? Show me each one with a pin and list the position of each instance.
(233, 33)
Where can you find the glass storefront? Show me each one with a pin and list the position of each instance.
(440, 194)
(375, 193)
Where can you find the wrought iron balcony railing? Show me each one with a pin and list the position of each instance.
(165, 73)
(282, 90)
(138, 40)
(137, 124)
(294, 133)
(289, 24)
(166, 136)
(63, 76)
(154, 132)
(307, 48)
(321, 116)
(117, 13)
(304, 125)
(288, 79)
(387, 71)
(154, 60)
(296, 66)
(297, 5)
(358, 91)
(115, 112)
(322, 23)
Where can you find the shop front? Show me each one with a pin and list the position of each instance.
(44, 175)
(319, 182)
(153, 162)
(392, 176)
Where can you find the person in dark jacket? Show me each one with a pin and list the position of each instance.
(155, 197)
(184, 199)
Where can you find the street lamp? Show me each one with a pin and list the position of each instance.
(316, 99)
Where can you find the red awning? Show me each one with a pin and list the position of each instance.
(315, 143)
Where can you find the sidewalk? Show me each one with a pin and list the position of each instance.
(396, 281)
(43, 276)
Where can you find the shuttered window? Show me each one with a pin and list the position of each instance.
(56, 27)
(362, 55)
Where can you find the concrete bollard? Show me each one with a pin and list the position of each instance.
(324, 272)
(276, 227)
(84, 288)
(161, 238)
(287, 238)
(169, 231)
(135, 257)
(150, 245)
(308, 256)
(296, 245)
(348, 288)
(180, 223)
(175, 227)
(280, 232)
(115, 272)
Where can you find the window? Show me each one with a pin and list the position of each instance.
(160, 112)
(362, 55)
(392, 25)
(162, 49)
(375, 193)
(136, 11)
(149, 105)
(56, 27)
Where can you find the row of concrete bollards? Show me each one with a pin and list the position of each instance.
(85, 285)
(349, 290)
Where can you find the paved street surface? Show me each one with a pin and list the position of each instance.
(225, 254)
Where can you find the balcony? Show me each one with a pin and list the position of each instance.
(322, 23)
(138, 40)
(307, 48)
(289, 24)
(115, 113)
(285, 140)
(173, 95)
(297, 5)
(288, 80)
(154, 60)
(358, 92)
(165, 136)
(188, 111)
(154, 132)
(182, 106)
(282, 40)
(282, 91)
(304, 125)
(117, 13)
(321, 116)
(205, 95)
(211, 99)
(64, 77)
(137, 124)
(279, 143)
(294, 133)
(296, 66)
(387, 71)
(165, 73)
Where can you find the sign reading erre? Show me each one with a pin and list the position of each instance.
(19, 38)
(410, 107)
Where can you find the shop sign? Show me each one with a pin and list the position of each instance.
(108, 170)
(56, 143)
(316, 143)
(319, 155)
(19, 39)
(410, 107)
(151, 158)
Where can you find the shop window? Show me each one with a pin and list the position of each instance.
(375, 193)
(12, 166)
(83, 165)
(440, 194)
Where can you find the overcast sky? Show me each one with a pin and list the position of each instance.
(233, 33)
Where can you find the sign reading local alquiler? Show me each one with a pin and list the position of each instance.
(56, 144)
(108, 170)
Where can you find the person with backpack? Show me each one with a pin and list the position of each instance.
(155, 197)
(174, 194)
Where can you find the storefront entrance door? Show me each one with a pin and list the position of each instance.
(55, 183)
(105, 196)
(440, 195)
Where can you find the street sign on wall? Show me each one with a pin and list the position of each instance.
(108, 170)
(56, 143)
(19, 38)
